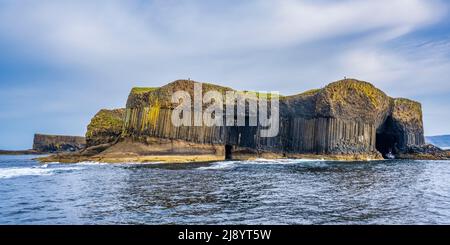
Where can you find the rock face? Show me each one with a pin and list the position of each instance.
(347, 119)
(425, 152)
(106, 127)
(403, 128)
(342, 118)
(57, 143)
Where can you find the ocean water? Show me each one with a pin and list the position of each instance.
(231, 192)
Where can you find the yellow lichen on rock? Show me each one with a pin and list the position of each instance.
(153, 114)
(105, 127)
(345, 90)
(406, 110)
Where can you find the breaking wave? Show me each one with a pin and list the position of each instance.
(43, 170)
(219, 165)
(223, 165)
(91, 163)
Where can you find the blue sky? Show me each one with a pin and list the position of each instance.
(62, 61)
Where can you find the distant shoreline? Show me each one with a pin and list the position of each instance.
(21, 152)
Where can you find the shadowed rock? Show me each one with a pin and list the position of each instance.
(57, 143)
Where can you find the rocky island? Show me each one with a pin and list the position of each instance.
(45, 144)
(346, 120)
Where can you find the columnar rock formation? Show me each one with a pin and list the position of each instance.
(347, 119)
(57, 143)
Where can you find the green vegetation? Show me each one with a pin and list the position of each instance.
(218, 88)
(154, 114)
(307, 93)
(407, 110)
(344, 90)
(310, 92)
(142, 90)
(106, 121)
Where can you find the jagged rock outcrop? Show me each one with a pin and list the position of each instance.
(407, 117)
(57, 143)
(347, 119)
(424, 152)
(105, 127)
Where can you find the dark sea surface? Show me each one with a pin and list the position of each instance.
(248, 192)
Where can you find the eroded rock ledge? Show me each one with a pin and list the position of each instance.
(45, 144)
(346, 120)
(58, 143)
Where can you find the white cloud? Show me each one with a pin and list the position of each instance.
(269, 45)
(89, 32)
(405, 71)
(131, 39)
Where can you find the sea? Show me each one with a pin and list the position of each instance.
(230, 192)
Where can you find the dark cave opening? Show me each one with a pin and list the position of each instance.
(228, 152)
(386, 143)
(387, 139)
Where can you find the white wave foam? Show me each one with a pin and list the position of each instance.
(137, 163)
(67, 168)
(219, 165)
(91, 163)
(6, 173)
(15, 172)
(232, 164)
(87, 163)
(281, 161)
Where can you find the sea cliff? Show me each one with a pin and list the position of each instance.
(57, 143)
(346, 120)
(45, 144)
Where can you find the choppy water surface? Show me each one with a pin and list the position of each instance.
(249, 192)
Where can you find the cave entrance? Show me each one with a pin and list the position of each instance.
(228, 152)
(387, 139)
(386, 143)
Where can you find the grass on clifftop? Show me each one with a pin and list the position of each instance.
(406, 110)
(311, 91)
(348, 88)
(141, 90)
(307, 93)
(106, 120)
